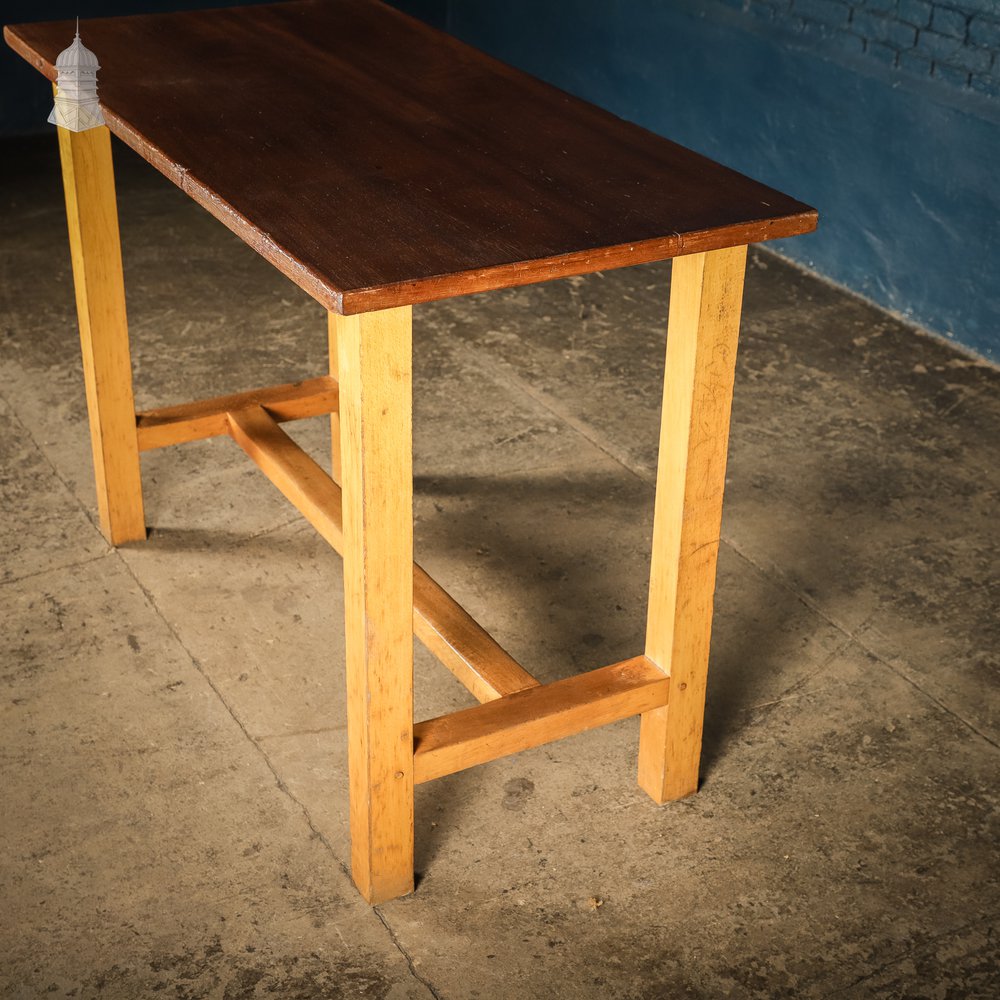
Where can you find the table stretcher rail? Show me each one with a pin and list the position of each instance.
(439, 622)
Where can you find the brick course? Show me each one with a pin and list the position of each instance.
(883, 28)
(950, 43)
(879, 6)
(916, 12)
(939, 47)
(978, 6)
(985, 31)
(832, 12)
(988, 85)
(949, 21)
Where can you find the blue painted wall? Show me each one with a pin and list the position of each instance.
(884, 114)
(872, 119)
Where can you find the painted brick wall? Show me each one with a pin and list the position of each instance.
(817, 98)
(955, 43)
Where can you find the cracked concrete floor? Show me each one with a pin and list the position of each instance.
(172, 743)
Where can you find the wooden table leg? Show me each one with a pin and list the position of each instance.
(705, 298)
(333, 326)
(88, 179)
(375, 368)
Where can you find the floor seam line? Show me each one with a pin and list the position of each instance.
(501, 373)
(406, 955)
(278, 780)
(794, 689)
(777, 577)
(277, 527)
(74, 499)
(940, 704)
(57, 569)
(302, 732)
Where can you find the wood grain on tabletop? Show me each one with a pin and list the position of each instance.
(379, 162)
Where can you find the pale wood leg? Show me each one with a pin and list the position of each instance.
(375, 367)
(88, 179)
(705, 298)
(333, 325)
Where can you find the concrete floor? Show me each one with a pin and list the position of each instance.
(173, 816)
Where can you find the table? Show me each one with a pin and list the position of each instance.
(380, 164)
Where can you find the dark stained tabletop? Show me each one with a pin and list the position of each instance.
(378, 162)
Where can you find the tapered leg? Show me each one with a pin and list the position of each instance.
(333, 325)
(375, 367)
(88, 178)
(705, 298)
